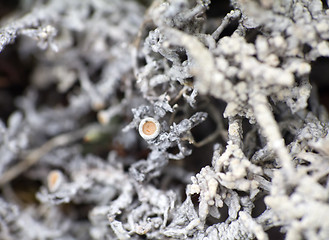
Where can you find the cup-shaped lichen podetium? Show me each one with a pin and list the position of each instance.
(149, 128)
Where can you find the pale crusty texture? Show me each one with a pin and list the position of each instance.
(243, 148)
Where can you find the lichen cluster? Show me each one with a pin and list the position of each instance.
(241, 149)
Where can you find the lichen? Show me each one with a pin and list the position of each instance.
(241, 144)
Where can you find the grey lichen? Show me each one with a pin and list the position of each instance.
(241, 148)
